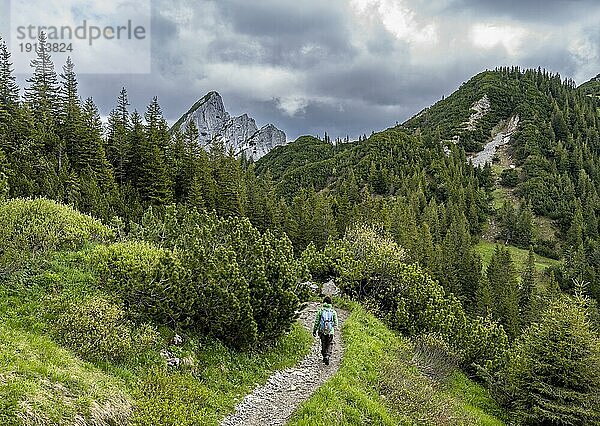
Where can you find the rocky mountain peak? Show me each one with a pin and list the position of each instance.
(240, 133)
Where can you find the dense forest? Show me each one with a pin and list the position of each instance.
(219, 246)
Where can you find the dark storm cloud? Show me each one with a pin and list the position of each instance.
(380, 83)
(278, 33)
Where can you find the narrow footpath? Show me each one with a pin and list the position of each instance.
(273, 403)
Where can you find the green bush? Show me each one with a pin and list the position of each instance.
(143, 276)
(371, 268)
(219, 277)
(97, 329)
(509, 178)
(30, 227)
(245, 281)
(552, 375)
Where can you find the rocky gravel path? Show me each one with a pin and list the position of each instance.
(274, 402)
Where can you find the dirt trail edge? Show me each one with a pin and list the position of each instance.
(273, 403)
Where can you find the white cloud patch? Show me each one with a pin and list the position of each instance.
(399, 19)
(489, 36)
(292, 105)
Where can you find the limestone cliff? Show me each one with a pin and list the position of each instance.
(238, 133)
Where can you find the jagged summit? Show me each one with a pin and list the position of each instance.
(239, 133)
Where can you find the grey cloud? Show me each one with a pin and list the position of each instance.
(376, 83)
(163, 29)
(283, 34)
(528, 10)
(348, 88)
(338, 119)
(295, 53)
(278, 18)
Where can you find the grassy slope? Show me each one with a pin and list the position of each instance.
(519, 256)
(377, 384)
(42, 383)
(41, 380)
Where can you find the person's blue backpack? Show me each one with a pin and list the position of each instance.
(326, 325)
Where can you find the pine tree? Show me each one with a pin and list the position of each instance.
(154, 180)
(524, 228)
(42, 97)
(322, 223)
(377, 181)
(227, 176)
(70, 113)
(459, 267)
(528, 287)
(505, 290)
(118, 148)
(10, 137)
(192, 162)
(184, 158)
(91, 153)
(136, 139)
(43, 93)
(554, 370)
(9, 91)
(485, 298)
(575, 233)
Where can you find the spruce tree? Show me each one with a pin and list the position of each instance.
(136, 140)
(484, 298)
(10, 137)
(118, 148)
(155, 180)
(575, 233)
(91, 153)
(227, 176)
(42, 97)
(9, 91)
(70, 113)
(191, 162)
(503, 283)
(554, 370)
(528, 288)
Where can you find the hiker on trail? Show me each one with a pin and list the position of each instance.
(325, 324)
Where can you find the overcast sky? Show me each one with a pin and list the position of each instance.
(345, 66)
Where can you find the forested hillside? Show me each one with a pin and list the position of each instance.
(554, 157)
(163, 238)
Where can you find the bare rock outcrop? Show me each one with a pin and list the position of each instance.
(240, 134)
